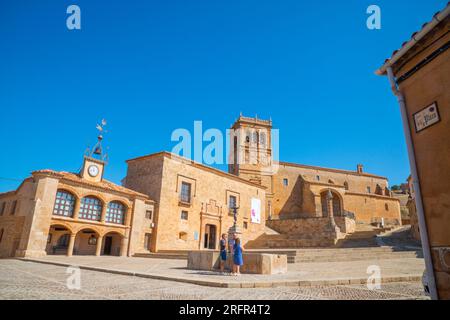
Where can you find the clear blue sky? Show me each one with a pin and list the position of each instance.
(150, 67)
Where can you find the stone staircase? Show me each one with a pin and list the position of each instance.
(182, 255)
(363, 237)
(343, 254)
(283, 241)
(366, 243)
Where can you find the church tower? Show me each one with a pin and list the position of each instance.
(251, 150)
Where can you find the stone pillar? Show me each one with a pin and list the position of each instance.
(124, 246)
(76, 209)
(71, 244)
(98, 249)
(103, 216)
(334, 227)
(127, 220)
(330, 204)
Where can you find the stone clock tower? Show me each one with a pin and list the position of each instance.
(95, 159)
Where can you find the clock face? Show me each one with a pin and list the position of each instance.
(93, 170)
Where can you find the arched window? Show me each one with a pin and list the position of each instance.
(64, 204)
(90, 209)
(115, 212)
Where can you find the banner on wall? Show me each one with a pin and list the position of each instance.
(256, 211)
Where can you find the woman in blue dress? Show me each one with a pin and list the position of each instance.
(237, 257)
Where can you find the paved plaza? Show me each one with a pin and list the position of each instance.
(299, 274)
(21, 279)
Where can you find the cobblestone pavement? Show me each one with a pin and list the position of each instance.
(172, 269)
(29, 280)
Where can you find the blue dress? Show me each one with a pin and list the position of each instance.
(237, 255)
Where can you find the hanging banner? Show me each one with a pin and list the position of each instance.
(256, 211)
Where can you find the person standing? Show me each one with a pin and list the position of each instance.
(223, 252)
(237, 257)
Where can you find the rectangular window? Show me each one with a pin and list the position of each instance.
(245, 225)
(232, 202)
(285, 182)
(149, 214)
(318, 178)
(148, 241)
(184, 215)
(185, 195)
(13, 207)
(368, 189)
(2, 208)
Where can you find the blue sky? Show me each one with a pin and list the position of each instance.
(149, 67)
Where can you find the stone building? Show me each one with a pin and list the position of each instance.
(300, 191)
(419, 75)
(172, 203)
(195, 202)
(74, 213)
(411, 204)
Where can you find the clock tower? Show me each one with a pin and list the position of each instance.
(95, 159)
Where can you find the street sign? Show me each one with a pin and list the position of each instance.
(426, 117)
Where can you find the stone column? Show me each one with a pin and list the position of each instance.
(98, 249)
(333, 227)
(71, 244)
(330, 204)
(124, 246)
(127, 220)
(76, 209)
(103, 216)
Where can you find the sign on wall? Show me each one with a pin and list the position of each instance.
(256, 211)
(426, 117)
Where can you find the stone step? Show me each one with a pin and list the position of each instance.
(393, 255)
(342, 254)
(180, 256)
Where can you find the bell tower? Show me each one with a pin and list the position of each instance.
(95, 159)
(251, 150)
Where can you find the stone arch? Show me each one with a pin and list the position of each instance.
(337, 201)
(89, 208)
(112, 243)
(98, 195)
(70, 189)
(126, 209)
(58, 238)
(65, 203)
(86, 239)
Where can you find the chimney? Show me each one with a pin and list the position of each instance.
(359, 168)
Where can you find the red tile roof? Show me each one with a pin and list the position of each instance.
(104, 184)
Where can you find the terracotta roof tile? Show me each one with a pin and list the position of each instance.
(104, 184)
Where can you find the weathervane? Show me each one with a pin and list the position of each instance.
(97, 150)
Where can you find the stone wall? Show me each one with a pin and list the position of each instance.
(347, 225)
(254, 263)
(317, 229)
(210, 191)
(301, 195)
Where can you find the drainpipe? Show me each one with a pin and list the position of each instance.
(415, 179)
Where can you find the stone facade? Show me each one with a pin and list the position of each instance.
(46, 215)
(421, 68)
(198, 221)
(295, 190)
